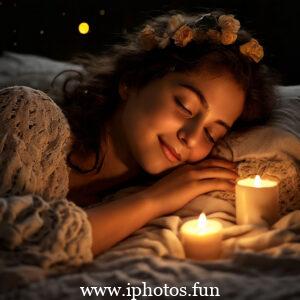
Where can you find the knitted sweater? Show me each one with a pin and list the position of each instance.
(38, 225)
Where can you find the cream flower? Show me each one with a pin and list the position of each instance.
(147, 38)
(175, 22)
(253, 50)
(183, 35)
(229, 23)
(228, 37)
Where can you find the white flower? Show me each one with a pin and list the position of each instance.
(175, 22)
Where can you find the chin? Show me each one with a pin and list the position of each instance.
(150, 159)
(156, 167)
(150, 164)
(153, 168)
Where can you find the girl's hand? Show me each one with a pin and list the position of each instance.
(186, 182)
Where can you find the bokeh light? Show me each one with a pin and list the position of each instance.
(84, 28)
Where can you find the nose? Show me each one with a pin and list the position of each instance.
(191, 133)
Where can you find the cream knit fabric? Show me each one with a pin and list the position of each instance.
(38, 225)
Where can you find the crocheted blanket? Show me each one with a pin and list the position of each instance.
(38, 225)
(42, 233)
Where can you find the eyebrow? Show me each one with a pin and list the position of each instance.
(203, 101)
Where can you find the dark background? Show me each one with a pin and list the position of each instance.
(50, 27)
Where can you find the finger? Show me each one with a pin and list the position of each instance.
(209, 185)
(216, 162)
(213, 172)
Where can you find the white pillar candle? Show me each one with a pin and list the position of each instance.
(202, 238)
(256, 201)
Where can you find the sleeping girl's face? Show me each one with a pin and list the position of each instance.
(185, 112)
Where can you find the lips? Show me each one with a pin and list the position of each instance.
(169, 151)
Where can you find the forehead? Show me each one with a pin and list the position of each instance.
(211, 81)
(206, 78)
(203, 77)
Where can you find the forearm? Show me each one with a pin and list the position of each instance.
(113, 221)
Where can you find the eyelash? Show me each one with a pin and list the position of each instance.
(178, 102)
(210, 138)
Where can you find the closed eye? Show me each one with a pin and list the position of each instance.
(182, 107)
(210, 138)
(179, 103)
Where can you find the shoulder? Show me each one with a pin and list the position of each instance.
(27, 110)
(34, 136)
(26, 102)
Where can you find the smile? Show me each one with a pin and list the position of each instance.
(168, 152)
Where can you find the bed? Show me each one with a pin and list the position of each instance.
(257, 262)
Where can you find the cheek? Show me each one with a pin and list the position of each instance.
(141, 122)
(158, 116)
(201, 151)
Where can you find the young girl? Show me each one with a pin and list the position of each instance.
(156, 105)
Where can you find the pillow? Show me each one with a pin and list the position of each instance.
(286, 114)
(36, 72)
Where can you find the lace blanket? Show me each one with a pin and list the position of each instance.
(38, 225)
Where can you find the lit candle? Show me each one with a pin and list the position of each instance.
(202, 238)
(256, 201)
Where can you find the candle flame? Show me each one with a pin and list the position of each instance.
(257, 181)
(202, 221)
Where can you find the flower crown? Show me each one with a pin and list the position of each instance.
(225, 31)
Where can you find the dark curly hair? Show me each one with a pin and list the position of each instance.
(95, 98)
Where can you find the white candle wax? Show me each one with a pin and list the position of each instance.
(202, 238)
(256, 201)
